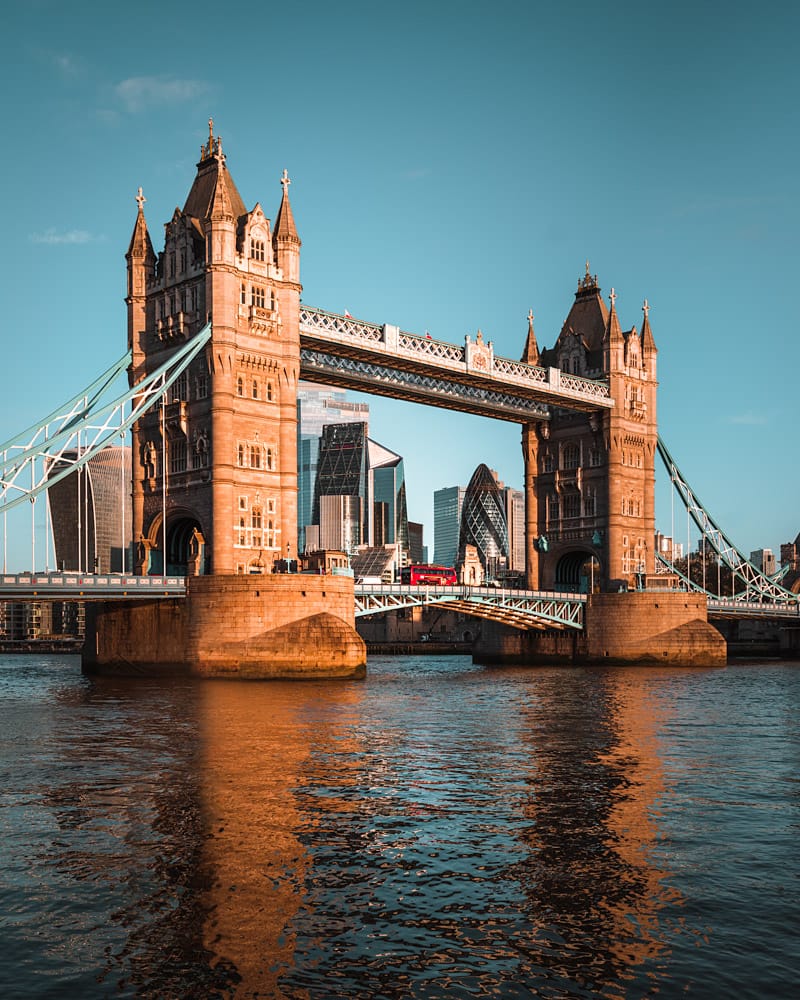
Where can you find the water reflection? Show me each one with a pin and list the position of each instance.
(437, 830)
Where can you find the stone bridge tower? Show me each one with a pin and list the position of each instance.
(590, 479)
(214, 468)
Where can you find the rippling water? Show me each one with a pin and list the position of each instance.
(437, 830)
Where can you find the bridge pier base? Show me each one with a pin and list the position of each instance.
(286, 626)
(637, 628)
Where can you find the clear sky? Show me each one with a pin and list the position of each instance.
(453, 165)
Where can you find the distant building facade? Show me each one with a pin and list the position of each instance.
(483, 522)
(90, 510)
(447, 504)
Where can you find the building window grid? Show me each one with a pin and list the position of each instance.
(257, 296)
(177, 456)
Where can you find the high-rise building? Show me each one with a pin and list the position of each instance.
(483, 522)
(317, 406)
(90, 510)
(416, 547)
(340, 522)
(350, 464)
(764, 559)
(447, 503)
(514, 507)
(388, 485)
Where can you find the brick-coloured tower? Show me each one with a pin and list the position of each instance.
(590, 480)
(230, 494)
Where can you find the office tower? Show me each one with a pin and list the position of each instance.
(447, 503)
(483, 521)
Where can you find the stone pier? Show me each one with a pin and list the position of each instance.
(643, 628)
(261, 626)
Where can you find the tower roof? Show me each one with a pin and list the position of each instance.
(212, 172)
(613, 329)
(588, 316)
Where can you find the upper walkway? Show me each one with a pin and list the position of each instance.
(384, 360)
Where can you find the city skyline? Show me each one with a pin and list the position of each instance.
(513, 151)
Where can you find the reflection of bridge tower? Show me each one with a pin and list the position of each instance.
(590, 479)
(230, 493)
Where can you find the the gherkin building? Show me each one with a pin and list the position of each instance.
(483, 520)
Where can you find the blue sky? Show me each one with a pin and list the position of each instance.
(453, 165)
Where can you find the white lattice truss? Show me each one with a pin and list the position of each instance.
(520, 609)
(352, 353)
(70, 436)
(758, 587)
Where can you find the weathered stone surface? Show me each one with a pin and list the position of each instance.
(622, 628)
(246, 626)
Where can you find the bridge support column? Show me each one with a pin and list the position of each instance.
(530, 456)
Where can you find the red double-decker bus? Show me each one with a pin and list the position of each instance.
(424, 574)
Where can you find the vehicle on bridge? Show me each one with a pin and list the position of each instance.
(421, 574)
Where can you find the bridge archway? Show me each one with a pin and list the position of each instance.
(186, 547)
(577, 571)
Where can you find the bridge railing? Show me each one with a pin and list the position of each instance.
(476, 357)
(87, 586)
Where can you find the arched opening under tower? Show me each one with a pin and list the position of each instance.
(186, 554)
(578, 572)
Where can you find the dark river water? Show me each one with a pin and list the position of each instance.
(439, 829)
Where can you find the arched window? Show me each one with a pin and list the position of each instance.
(240, 386)
(243, 294)
(254, 389)
(269, 458)
(240, 457)
(255, 456)
(269, 391)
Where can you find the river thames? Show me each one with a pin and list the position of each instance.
(439, 829)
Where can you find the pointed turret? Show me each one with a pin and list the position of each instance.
(141, 260)
(613, 332)
(648, 343)
(285, 241)
(531, 353)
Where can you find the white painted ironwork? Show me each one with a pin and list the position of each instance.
(383, 380)
(368, 344)
(522, 609)
(69, 442)
(758, 587)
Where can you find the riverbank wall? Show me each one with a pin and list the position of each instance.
(278, 626)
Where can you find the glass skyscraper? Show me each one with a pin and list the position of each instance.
(483, 521)
(447, 504)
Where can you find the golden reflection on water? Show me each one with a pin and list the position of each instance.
(257, 740)
(595, 890)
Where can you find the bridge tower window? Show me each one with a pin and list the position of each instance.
(243, 294)
(257, 249)
(571, 456)
(269, 391)
(254, 389)
(177, 456)
(270, 458)
(257, 296)
(240, 386)
(255, 456)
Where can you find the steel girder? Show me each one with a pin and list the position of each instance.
(757, 584)
(84, 427)
(519, 609)
(449, 394)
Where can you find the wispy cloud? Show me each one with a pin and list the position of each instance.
(70, 236)
(138, 93)
(749, 419)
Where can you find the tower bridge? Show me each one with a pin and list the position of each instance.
(218, 339)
